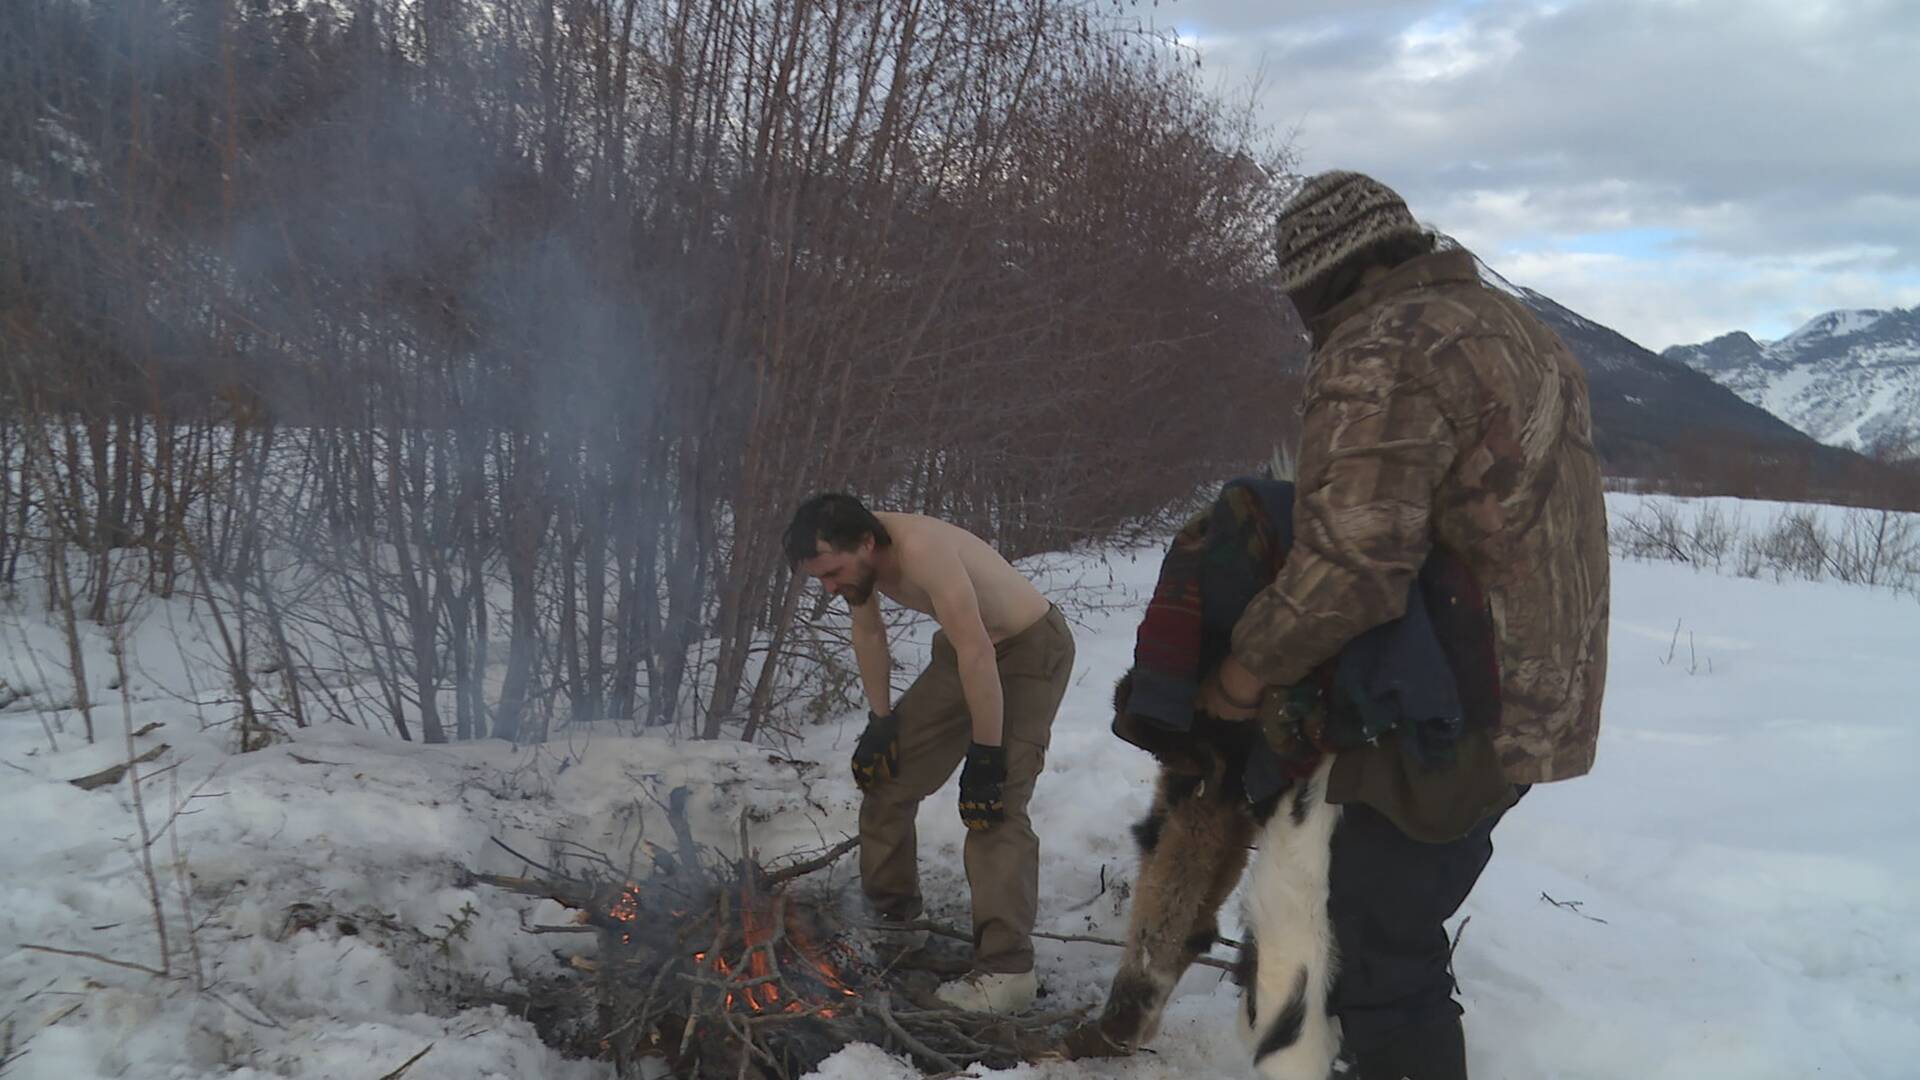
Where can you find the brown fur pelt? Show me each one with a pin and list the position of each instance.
(1194, 846)
(1193, 849)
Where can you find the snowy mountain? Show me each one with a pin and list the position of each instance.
(1847, 378)
(1650, 411)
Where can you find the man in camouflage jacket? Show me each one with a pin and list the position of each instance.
(1439, 413)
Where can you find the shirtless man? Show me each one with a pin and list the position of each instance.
(1000, 664)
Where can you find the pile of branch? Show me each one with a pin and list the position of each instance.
(724, 968)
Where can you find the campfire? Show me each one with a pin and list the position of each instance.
(723, 967)
(766, 932)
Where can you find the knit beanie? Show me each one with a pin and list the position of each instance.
(1333, 216)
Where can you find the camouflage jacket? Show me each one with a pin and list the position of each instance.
(1439, 410)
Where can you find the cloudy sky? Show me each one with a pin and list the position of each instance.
(1672, 168)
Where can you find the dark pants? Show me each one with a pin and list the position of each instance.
(1389, 897)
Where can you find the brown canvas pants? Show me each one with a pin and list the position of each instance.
(1003, 862)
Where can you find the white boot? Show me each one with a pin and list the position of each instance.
(990, 992)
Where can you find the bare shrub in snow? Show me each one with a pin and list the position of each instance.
(1654, 530)
(1714, 536)
(1797, 546)
(1875, 548)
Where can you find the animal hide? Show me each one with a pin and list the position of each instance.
(1194, 846)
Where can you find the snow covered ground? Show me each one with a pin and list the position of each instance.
(1745, 861)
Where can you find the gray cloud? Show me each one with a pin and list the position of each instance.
(1751, 135)
(1255, 16)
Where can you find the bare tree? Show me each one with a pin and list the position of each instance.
(473, 356)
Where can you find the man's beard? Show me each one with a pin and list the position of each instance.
(859, 592)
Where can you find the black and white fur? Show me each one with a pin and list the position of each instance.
(1193, 848)
(1289, 958)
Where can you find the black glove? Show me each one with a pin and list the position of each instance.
(876, 756)
(981, 803)
(1293, 723)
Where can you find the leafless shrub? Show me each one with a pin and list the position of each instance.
(1713, 536)
(1796, 546)
(1876, 548)
(1654, 530)
(467, 360)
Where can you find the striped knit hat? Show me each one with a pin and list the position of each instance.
(1332, 216)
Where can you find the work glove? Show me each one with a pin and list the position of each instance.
(1293, 723)
(982, 806)
(876, 757)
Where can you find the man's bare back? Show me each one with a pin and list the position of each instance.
(1009, 603)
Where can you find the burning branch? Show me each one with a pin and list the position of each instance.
(722, 967)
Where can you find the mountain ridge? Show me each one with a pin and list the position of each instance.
(1848, 377)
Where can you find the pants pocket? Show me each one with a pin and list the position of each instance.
(1026, 760)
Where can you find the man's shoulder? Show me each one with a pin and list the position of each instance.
(927, 548)
(1448, 336)
(1391, 339)
(1469, 316)
(916, 533)
(1456, 308)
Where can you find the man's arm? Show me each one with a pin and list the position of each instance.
(1375, 446)
(957, 608)
(870, 653)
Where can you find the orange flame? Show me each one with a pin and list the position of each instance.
(758, 925)
(627, 908)
(822, 970)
